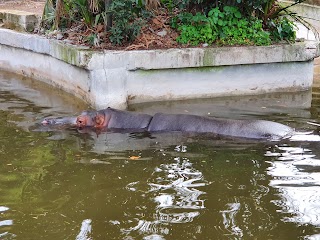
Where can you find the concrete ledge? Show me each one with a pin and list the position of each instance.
(19, 20)
(116, 78)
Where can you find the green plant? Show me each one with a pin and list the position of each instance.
(224, 22)
(70, 11)
(82, 8)
(127, 21)
(198, 30)
(93, 39)
(227, 27)
(282, 29)
(48, 15)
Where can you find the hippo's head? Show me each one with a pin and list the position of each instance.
(86, 119)
(96, 119)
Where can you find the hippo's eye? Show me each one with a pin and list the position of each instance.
(51, 121)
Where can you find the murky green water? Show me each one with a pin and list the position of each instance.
(67, 185)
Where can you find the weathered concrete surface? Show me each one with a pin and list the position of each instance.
(309, 10)
(220, 81)
(116, 78)
(19, 20)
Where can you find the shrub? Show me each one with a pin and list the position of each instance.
(282, 29)
(227, 27)
(199, 21)
(127, 21)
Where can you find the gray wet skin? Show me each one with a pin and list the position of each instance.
(160, 122)
(126, 120)
(259, 129)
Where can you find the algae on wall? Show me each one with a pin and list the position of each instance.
(73, 55)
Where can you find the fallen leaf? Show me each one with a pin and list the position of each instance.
(156, 21)
(100, 27)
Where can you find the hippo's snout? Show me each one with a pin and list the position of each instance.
(47, 121)
(68, 121)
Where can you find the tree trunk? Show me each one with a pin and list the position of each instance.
(59, 11)
(109, 15)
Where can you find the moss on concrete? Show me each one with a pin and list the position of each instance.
(208, 57)
(73, 55)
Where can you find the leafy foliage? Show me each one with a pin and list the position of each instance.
(224, 27)
(283, 29)
(127, 19)
(199, 21)
(128, 16)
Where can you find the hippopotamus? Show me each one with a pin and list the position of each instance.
(123, 120)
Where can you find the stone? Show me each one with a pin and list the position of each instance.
(59, 36)
(162, 33)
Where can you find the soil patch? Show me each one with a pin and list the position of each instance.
(157, 34)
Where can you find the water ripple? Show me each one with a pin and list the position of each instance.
(174, 188)
(5, 223)
(85, 230)
(296, 174)
(229, 216)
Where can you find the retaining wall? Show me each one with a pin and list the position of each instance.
(117, 78)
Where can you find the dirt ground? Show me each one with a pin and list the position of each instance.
(23, 5)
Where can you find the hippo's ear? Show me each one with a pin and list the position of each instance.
(99, 120)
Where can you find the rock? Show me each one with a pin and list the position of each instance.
(59, 36)
(53, 33)
(162, 33)
(67, 41)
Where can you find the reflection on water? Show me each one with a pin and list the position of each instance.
(64, 184)
(174, 188)
(27, 101)
(85, 230)
(4, 223)
(296, 173)
(229, 216)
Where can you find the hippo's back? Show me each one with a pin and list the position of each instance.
(269, 129)
(258, 129)
(128, 120)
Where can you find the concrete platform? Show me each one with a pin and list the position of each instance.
(19, 20)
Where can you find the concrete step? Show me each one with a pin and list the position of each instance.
(19, 20)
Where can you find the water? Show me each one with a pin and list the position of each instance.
(63, 184)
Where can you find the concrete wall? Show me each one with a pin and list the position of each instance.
(116, 78)
(310, 10)
(219, 81)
